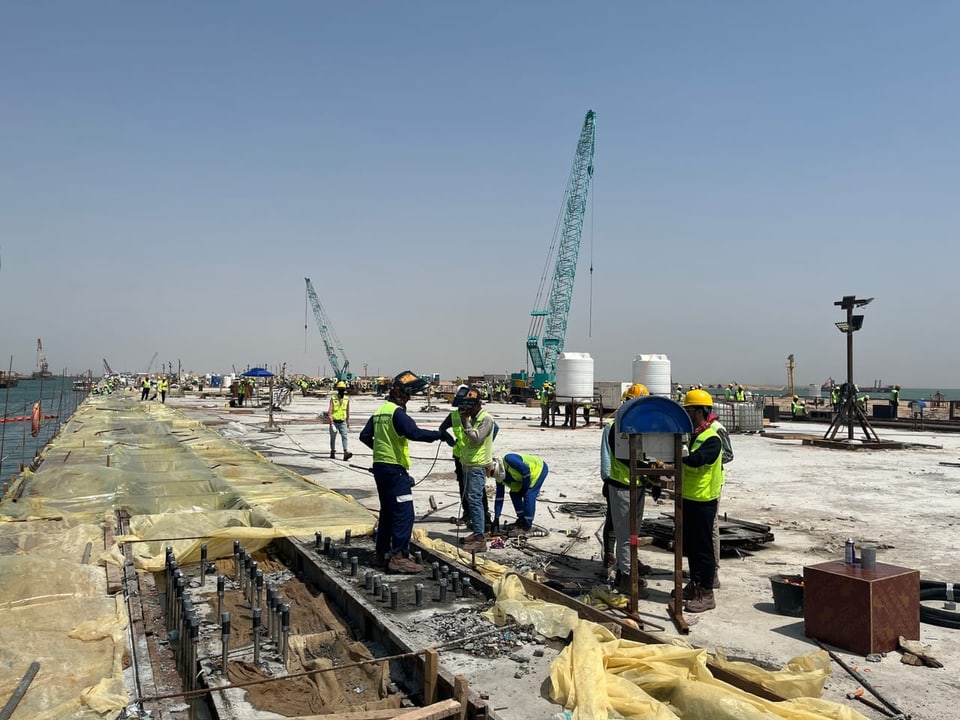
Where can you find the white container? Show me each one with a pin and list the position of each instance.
(653, 371)
(813, 391)
(574, 376)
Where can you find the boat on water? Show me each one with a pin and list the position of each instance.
(8, 379)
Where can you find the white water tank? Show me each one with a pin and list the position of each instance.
(575, 376)
(654, 372)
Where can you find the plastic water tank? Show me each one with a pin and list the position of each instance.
(575, 375)
(654, 372)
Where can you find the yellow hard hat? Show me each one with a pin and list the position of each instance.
(796, 397)
(634, 391)
(740, 386)
(697, 398)
(341, 385)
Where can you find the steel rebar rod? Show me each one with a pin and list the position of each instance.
(7, 711)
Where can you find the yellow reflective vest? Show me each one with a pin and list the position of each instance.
(389, 446)
(705, 482)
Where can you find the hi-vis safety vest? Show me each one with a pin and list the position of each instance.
(456, 424)
(514, 480)
(388, 445)
(619, 472)
(340, 408)
(482, 454)
(703, 483)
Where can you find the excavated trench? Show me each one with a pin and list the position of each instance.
(308, 629)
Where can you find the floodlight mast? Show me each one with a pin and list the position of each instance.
(848, 403)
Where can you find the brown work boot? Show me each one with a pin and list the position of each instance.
(475, 543)
(703, 600)
(401, 564)
(347, 455)
(624, 587)
(689, 591)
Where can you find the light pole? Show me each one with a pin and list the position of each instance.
(848, 402)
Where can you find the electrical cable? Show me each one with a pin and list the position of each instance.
(936, 590)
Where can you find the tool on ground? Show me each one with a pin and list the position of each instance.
(895, 712)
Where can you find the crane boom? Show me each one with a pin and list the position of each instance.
(335, 352)
(553, 313)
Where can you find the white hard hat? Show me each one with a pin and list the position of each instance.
(496, 469)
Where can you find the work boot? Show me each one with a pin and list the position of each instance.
(609, 560)
(333, 455)
(378, 561)
(703, 600)
(689, 591)
(643, 569)
(623, 586)
(401, 564)
(347, 455)
(475, 543)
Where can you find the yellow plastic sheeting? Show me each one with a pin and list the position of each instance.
(486, 567)
(598, 676)
(55, 612)
(51, 540)
(803, 676)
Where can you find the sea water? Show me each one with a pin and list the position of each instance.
(17, 446)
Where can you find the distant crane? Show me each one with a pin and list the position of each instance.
(554, 310)
(106, 367)
(42, 371)
(335, 352)
(150, 364)
(790, 369)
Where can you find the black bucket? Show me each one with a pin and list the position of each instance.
(788, 596)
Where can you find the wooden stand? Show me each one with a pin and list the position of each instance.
(862, 611)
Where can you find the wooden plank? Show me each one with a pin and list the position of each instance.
(436, 711)
(461, 693)
(382, 714)
(431, 661)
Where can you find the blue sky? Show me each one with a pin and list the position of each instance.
(172, 171)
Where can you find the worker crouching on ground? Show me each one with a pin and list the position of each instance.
(702, 483)
(338, 415)
(616, 488)
(475, 455)
(523, 475)
(389, 431)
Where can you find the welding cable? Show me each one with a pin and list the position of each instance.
(936, 590)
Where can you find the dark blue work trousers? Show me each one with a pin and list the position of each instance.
(395, 490)
(698, 519)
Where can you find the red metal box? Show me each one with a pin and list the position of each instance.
(863, 611)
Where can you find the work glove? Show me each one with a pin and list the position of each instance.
(448, 440)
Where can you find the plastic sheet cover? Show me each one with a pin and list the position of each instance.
(599, 676)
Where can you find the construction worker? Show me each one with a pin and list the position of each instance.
(545, 404)
(678, 393)
(454, 423)
(728, 392)
(475, 455)
(740, 394)
(702, 483)
(338, 417)
(797, 409)
(616, 489)
(145, 387)
(388, 432)
(241, 391)
(835, 396)
(523, 475)
(894, 401)
(163, 386)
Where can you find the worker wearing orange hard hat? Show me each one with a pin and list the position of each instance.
(702, 483)
(616, 489)
(389, 432)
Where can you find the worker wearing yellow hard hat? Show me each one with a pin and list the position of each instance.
(702, 483)
(338, 417)
(616, 489)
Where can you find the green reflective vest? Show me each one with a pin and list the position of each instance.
(388, 445)
(477, 455)
(340, 408)
(705, 482)
(456, 425)
(514, 480)
(619, 472)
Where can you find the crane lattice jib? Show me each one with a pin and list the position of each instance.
(335, 353)
(554, 316)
